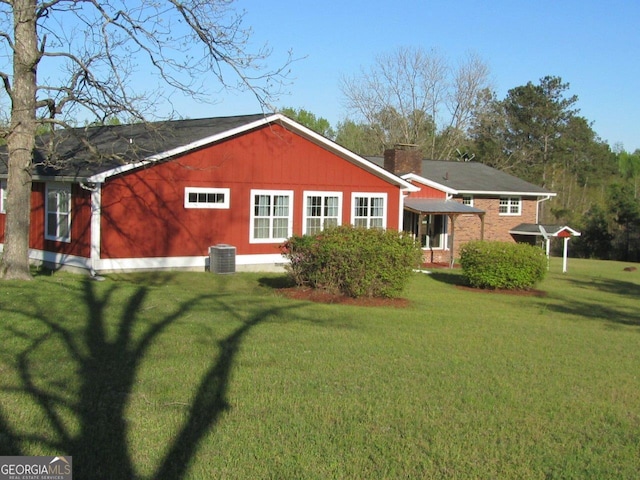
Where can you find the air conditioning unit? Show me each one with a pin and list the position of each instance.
(222, 259)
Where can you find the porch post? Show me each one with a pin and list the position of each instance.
(451, 249)
(564, 254)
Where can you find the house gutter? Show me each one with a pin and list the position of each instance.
(539, 201)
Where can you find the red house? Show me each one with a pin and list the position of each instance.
(150, 196)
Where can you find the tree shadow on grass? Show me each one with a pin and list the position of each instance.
(613, 314)
(608, 285)
(107, 361)
(618, 305)
(449, 277)
(276, 283)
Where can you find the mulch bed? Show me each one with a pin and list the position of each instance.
(519, 293)
(321, 296)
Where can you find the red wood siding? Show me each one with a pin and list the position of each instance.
(80, 243)
(427, 192)
(143, 212)
(80, 222)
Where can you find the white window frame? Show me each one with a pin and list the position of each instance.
(355, 218)
(440, 236)
(62, 218)
(323, 215)
(3, 196)
(271, 216)
(467, 200)
(512, 205)
(225, 204)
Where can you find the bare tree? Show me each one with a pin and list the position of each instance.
(413, 96)
(86, 59)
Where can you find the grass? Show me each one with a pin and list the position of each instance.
(193, 375)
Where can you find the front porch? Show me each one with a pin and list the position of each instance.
(433, 223)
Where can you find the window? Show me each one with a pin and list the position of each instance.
(431, 230)
(321, 210)
(3, 196)
(435, 228)
(369, 210)
(510, 206)
(58, 212)
(206, 197)
(271, 215)
(467, 200)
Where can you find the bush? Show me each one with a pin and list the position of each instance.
(353, 261)
(502, 265)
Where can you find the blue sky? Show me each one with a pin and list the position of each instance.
(592, 45)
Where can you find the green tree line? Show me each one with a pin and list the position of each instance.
(535, 132)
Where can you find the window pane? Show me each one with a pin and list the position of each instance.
(261, 228)
(314, 206)
(64, 201)
(52, 225)
(331, 207)
(262, 205)
(361, 205)
(330, 222)
(280, 229)
(52, 201)
(360, 222)
(63, 226)
(314, 225)
(193, 197)
(280, 206)
(377, 207)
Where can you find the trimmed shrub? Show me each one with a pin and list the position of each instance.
(357, 262)
(502, 265)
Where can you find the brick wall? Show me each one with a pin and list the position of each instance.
(496, 226)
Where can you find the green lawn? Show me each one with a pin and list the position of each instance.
(193, 375)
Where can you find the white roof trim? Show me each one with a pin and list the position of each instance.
(275, 118)
(544, 233)
(506, 192)
(453, 191)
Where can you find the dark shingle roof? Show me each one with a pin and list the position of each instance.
(475, 177)
(117, 145)
(472, 177)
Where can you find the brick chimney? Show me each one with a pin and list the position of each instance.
(403, 158)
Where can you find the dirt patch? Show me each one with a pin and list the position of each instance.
(322, 296)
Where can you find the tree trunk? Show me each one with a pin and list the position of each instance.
(21, 142)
